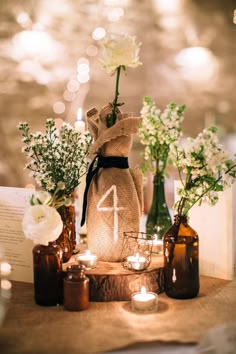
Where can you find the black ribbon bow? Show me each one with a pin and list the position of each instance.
(102, 162)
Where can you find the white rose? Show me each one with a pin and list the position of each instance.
(42, 224)
(119, 49)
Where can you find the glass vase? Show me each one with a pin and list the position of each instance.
(181, 266)
(67, 239)
(158, 220)
(48, 282)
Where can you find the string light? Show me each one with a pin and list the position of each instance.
(196, 63)
(59, 107)
(99, 33)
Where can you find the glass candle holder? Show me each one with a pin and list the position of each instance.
(136, 251)
(144, 301)
(88, 259)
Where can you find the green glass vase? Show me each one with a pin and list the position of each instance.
(158, 220)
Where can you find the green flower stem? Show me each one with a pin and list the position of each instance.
(112, 117)
(183, 199)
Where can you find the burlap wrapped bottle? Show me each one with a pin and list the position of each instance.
(115, 199)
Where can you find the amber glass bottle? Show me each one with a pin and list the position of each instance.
(76, 289)
(181, 269)
(48, 285)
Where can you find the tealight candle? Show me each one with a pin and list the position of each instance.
(88, 259)
(137, 262)
(157, 246)
(144, 301)
(80, 126)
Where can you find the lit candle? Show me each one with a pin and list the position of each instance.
(5, 268)
(137, 262)
(157, 246)
(144, 301)
(79, 124)
(88, 259)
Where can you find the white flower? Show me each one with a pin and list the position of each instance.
(120, 50)
(41, 197)
(42, 224)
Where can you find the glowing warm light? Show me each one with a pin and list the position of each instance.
(59, 107)
(73, 85)
(6, 284)
(99, 33)
(69, 96)
(143, 290)
(79, 113)
(32, 69)
(80, 126)
(115, 14)
(5, 268)
(196, 63)
(35, 44)
(168, 6)
(83, 68)
(92, 50)
(23, 19)
(83, 77)
(83, 60)
(169, 22)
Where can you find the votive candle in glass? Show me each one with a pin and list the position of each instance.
(137, 262)
(88, 259)
(144, 301)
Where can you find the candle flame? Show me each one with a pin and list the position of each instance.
(79, 114)
(5, 268)
(88, 252)
(143, 290)
(137, 256)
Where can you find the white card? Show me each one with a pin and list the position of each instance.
(216, 228)
(16, 248)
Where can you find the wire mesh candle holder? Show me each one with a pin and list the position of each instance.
(136, 251)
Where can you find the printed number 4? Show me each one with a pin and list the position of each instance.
(114, 208)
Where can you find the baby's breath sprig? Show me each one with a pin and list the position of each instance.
(159, 133)
(57, 158)
(205, 169)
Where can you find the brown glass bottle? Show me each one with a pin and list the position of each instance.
(181, 268)
(76, 289)
(48, 286)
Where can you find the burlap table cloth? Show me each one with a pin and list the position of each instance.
(30, 328)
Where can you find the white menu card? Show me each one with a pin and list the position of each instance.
(16, 248)
(216, 228)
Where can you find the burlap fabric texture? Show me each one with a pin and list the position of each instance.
(115, 195)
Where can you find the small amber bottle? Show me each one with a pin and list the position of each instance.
(181, 269)
(76, 289)
(48, 285)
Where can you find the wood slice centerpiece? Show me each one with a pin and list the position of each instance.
(110, 281)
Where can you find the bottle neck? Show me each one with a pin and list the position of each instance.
(180, 219)
(159, 188)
